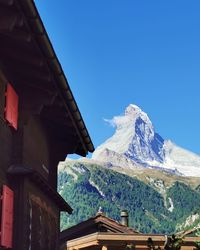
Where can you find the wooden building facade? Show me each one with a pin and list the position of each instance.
(40, 124)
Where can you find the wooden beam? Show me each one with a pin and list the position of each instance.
(15, 55)
(63, 151)
(58, 114)
(64, 136)
(23, 70)
(82, 246)
(7, 2)
(8, 19)
(17, 46)
(118, 240)
(15, 52)
(44, 87)
(58, 102)
(18, 34)
(33, 100)
(36, 76)
(20, 22)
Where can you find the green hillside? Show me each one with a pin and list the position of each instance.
(86, 187)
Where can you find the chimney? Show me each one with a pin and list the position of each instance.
(124, 218)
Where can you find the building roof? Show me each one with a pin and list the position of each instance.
(101, 232)
(29, 59)
(121, 241)
(98, 223)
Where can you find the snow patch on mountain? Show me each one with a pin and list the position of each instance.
(181, 159)
(97, 188)
(171, 208)
(135, 144)
(158, 185)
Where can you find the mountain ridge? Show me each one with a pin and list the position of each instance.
(135, 169)
(136, 142)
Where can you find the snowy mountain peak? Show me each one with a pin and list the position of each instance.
(133, 111)
(134, 137)
(136, 144)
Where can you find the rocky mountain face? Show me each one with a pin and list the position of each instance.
(136, 169)
(136, 142)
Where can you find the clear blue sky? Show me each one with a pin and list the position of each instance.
(117, 52)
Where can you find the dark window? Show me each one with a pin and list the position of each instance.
(43, 228)
(35, 227)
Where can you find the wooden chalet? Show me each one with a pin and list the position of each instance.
(103, 233)
(99, 223)
(40, 124)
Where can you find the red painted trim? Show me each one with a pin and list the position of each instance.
(7, 217)
(11, 109)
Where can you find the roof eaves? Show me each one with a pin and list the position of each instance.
(63, 86)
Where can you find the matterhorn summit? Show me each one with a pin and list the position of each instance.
(135, 144)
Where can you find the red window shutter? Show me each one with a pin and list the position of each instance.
(11, 111)
(7, 217)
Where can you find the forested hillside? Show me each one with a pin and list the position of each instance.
(87, 187)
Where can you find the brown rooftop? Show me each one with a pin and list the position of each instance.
(98, 223)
